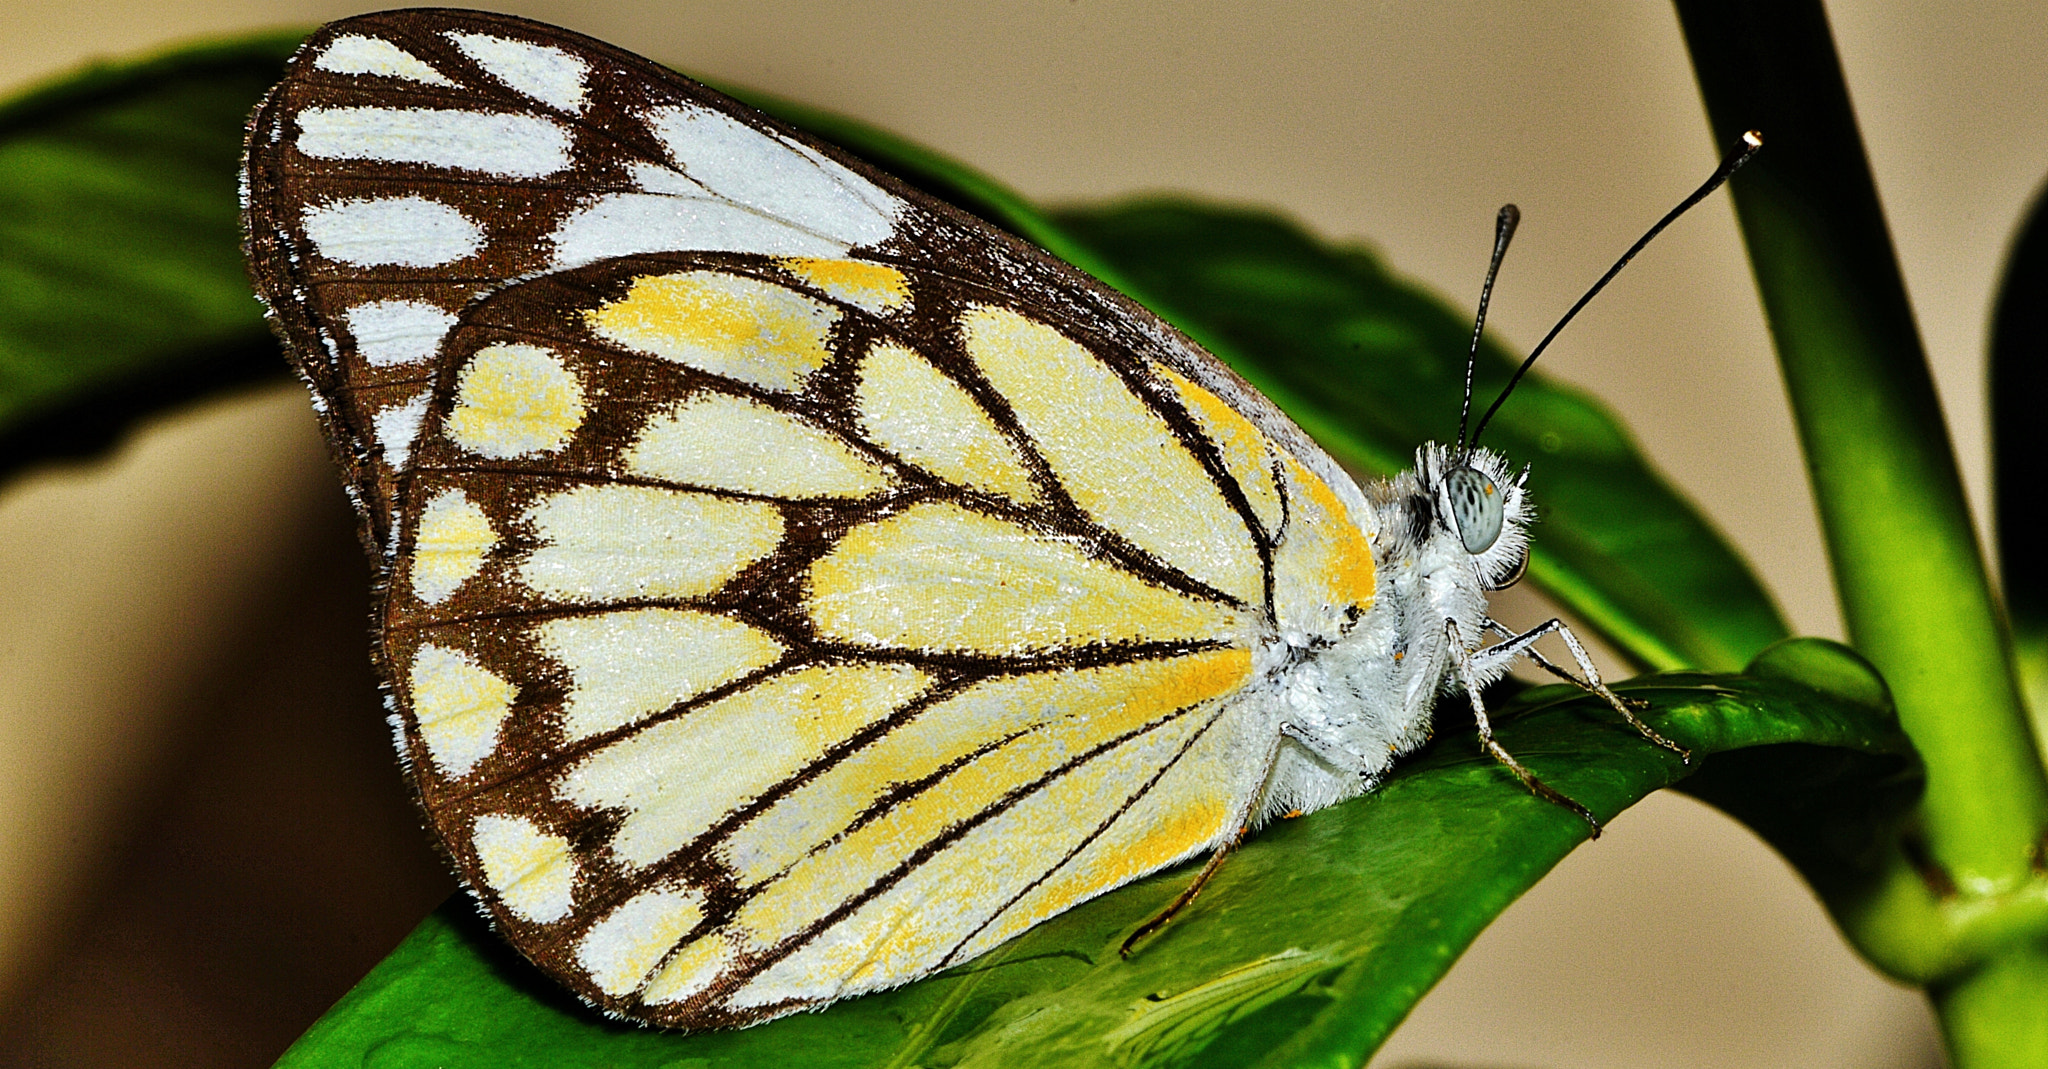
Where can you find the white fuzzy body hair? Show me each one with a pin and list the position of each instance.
(1344, 705)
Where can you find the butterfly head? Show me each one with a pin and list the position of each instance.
(1476, 499)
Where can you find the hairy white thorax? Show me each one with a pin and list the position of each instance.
(1347, 702)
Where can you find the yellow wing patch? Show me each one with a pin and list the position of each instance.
(943, 577)
(1187, 810)
(1245, 453)
(737, 327)
(1056, 705)
(1324, 563)
(515, 400)
(871, 287)
(1080, 710)
(454, 535)
(1121, 462)
(915, 925)
(722, 442)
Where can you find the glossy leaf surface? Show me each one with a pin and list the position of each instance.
(1308, 947)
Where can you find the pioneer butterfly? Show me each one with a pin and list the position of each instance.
(789, 585)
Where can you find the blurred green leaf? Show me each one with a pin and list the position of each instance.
(122, 290)
(1373, 366)
(1308, 947)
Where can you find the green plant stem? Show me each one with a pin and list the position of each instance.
(1995, 1015)
(1908, 570)
(1907, 565)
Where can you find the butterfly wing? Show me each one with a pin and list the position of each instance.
(794, 586)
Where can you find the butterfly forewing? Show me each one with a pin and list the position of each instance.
(413, 160)
(795, 585)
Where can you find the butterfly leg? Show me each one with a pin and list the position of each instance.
(1524, 645)
(1242, 824)
(1194, 888)
(1468, 678)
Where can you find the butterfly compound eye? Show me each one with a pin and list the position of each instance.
(1476, 506)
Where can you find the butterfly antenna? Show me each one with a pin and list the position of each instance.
(1737, 156)
(1503, 232)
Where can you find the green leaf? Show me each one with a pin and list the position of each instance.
(1373, 366)
(121, 282)
(1308, 947)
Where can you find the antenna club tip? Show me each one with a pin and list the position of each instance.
(1753, 138)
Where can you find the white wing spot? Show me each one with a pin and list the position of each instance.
(531, 870)
(510, 146)
(619, 951)
(543, 72)
(409, 231)
(625, 224)
(356, 54)
(390, 333)
(905, 405)
(690, 970)
(460, 705)
(654, 178)
(626, 666)
(454, 535)
(619, 543)
(767, 174)
(398, 427)
(721, 442)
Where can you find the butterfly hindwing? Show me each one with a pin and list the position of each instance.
(794, 585)
(876, 697)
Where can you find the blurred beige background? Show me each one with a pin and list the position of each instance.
(180, 625)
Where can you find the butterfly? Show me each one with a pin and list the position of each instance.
(788, 585)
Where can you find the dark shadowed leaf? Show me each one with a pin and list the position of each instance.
(2019, 394)
(121, 283)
